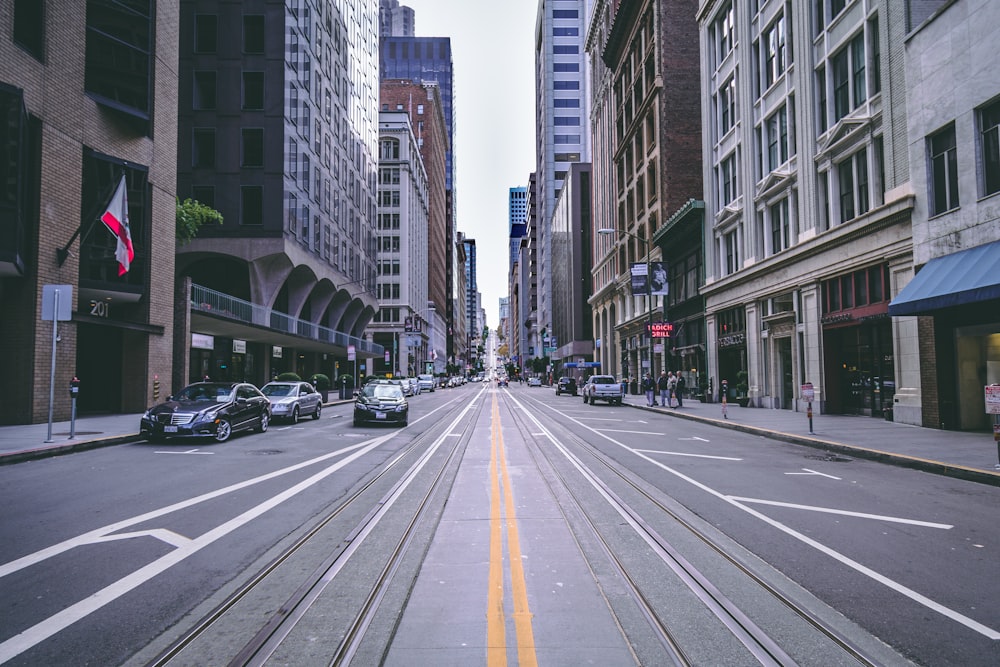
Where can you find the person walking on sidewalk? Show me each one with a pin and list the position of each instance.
(671, 388)
(679, 389)
(648, 386)
(662, 385)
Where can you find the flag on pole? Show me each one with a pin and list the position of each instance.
(116, 220)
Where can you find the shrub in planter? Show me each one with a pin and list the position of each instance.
(288, 377)
(742, 389)
(320, 381)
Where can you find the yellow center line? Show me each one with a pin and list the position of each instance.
(496, 650)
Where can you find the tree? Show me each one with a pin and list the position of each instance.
(191, 215)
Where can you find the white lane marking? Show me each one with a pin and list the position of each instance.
(962, 619)
(618, 430)
(828, 510)
(699, 456)
(813, 472)
(602, 419)
(189, 451)
(168, 536)
(695, 438)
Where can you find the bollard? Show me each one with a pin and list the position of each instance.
(74, 389)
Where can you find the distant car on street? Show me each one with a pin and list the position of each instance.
(566, 385)
(292, 400)
(602, 388)
(534, 382)
(208, 410)
(427, 382)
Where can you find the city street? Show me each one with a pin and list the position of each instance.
(621, 534)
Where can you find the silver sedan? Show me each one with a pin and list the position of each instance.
(293, 400)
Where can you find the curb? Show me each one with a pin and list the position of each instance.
(901, 460)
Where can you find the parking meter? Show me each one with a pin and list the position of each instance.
(74, 390)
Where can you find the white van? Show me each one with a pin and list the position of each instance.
(426, 382)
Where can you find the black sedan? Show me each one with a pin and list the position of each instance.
(208, 410)
(291, 400)
(566, 385)
(381, 401)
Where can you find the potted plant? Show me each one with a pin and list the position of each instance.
(288, 376)
(743, 389)
(322, 384)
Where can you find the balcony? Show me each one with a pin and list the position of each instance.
(224, 315)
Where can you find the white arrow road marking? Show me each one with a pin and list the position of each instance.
(860, 515)
(812, 472)
(168, 536)
(697, 456)
(190, 451)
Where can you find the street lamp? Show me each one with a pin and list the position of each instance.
(649, 292)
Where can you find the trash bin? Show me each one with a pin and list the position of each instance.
(887, 414)
(633, 387)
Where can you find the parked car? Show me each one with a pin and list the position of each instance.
(566, 385)
(534, 382)
(381, 401)
(208, 410)
(602, 388)
(426, 382)
(414, 386)
(291, 400)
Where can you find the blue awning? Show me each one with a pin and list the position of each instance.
(967, 276)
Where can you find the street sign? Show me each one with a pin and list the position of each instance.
(57, 303)
(808, 392)
(351, 353)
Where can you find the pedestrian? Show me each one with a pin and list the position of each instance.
(648, 386)
(671, 388)
(723, 395)
(663, 385)
(679, 389)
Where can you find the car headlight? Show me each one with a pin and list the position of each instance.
(361, 406)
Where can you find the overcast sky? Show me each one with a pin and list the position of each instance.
(493, 58)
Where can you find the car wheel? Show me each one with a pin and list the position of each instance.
(223, 430)
(357, 422)
(295, 415)
(319, 408)
(265, 421)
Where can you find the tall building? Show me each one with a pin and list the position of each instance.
(395, 19)
(949, 312)
(88, 99)
(402, 326)
(473, 322)
(278, 130)
(808, 201)
(424, 106)
(647, 134)
(428, 60)
(517, 213)
(561, 117)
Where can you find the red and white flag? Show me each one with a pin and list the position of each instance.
(116, 220)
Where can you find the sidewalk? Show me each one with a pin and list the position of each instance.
(971, 456)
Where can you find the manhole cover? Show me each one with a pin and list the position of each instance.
(265, 452)
(830, 458)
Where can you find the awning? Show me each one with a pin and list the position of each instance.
(964, 277)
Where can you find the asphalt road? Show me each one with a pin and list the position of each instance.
(108, 554)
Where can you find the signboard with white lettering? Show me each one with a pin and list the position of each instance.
(993, 399)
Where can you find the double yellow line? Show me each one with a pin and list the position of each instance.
(496, 641)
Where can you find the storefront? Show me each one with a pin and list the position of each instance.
(731, 333)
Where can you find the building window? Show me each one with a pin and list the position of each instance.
(204, 194)
(777, 139)
(849, 82)
(821, 113)
(565, 67)
(774, 52)
(852, 175)
(29, 26)
(566, 85)
(253, 147)
(565, 49)
(253, 91)
(119, 57)
(731, 245)
(723, 30)
(253, 33)
(876, 54)
(989, 124)
(780, 227)
(727, 180)
(563, 103)
(566, 121)
(204, 91)
(202, 147)
(944, 171)
(566, 139)
(727, 106)
(251, 205)
(206, 33)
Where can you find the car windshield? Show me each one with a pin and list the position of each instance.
(279, 390)
(219, 393)
(383, 391)
(603, 380)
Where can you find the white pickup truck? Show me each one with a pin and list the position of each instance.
(602, 388)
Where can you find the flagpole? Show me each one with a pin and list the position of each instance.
(62, 254)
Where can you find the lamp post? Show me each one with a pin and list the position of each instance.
(649, 292)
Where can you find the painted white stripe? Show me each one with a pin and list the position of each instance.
(860, 515)
(619, 430)
(813, 472)
(190, 451)
(698, 456)
(168, 536)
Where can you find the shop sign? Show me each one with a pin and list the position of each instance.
(351, 353)
(276, 352)
(202, 341)
(239, 346)
(993, 399)
(733, 340)
(660, 329)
